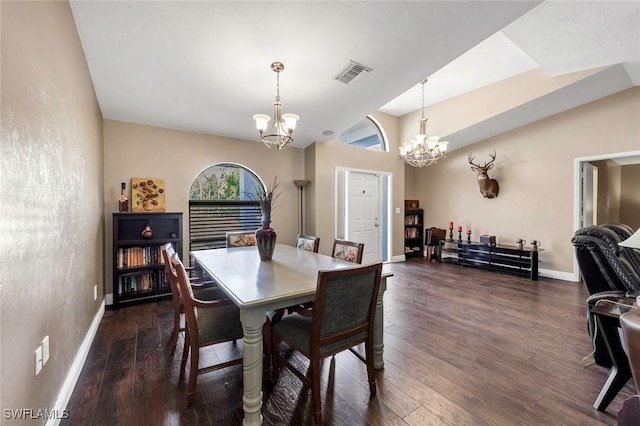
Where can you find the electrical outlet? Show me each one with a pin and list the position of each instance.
(45, 350)
(38, 359)
(95, 292)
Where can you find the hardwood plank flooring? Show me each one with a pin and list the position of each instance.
(462, 347)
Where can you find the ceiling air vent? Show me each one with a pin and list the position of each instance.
(352, 73)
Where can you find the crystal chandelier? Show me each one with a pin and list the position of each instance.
(279, 135)
(423, 150)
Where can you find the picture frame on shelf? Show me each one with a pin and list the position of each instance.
(411, 204)
(147, 195)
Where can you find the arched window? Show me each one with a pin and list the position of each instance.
(221, 199)
(367, 133)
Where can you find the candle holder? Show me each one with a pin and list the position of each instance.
(459, 236)
(451, 233)
(468, 237)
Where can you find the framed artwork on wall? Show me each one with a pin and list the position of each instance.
(147, 195)
(411, 204)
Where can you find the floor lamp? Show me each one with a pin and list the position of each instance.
(301, 184)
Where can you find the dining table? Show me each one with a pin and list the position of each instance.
(258, 287)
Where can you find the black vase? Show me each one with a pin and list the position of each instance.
(266, 240)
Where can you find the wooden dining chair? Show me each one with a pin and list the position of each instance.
(342, 249)
(206, 290)
(240, 238)
(432, 242)
(348, 250)
(308, 243)
(342, 317)
(209, 322)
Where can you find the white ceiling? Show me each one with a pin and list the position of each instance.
(205, 66)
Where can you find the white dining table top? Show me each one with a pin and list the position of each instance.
(290, 276)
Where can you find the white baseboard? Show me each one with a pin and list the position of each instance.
(399, 258)
(76, 368)
(558, 275)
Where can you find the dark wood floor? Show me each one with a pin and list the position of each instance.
(462, 347)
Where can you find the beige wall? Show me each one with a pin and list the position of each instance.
(309, 190)
(535, 169)
(474, 107)
(333, 154)
(630, 198)
(133, 150)
(609, 187)
(51, 219)
(618, 193)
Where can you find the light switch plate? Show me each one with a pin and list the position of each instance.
(45, 350)
(38, 359)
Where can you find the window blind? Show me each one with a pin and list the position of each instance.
(209, 220)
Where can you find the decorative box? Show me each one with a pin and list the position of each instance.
(488, 240)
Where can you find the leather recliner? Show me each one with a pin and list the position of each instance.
(624, 232)
(604, 265)
(607, 270)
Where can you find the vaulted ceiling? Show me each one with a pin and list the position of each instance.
(205, 66)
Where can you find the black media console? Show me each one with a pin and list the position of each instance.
(500, 258)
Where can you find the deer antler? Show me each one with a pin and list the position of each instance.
(470, 158)
(493, 158)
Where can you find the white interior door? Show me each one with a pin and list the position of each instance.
(363, 213)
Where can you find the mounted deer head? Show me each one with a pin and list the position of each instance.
(488, 187)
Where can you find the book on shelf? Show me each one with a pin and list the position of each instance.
(412, 219)
(142, 282)
(412, 233)
(133, 257)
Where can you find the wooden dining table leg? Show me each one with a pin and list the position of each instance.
(378, 328)
(252, 320)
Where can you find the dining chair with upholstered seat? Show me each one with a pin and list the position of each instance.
(209, 322)
(344, 250)
(205, 289)
(342, 317)
(240, 238)
(347, 250)
(432, 242)
(308, 243)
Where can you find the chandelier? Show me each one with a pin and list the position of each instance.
(279, 135)
(423, 150)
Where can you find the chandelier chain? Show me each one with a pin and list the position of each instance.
(423, 83)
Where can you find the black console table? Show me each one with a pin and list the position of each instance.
(506, 259)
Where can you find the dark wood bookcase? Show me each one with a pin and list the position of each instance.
(414, 233)
(138, 267)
